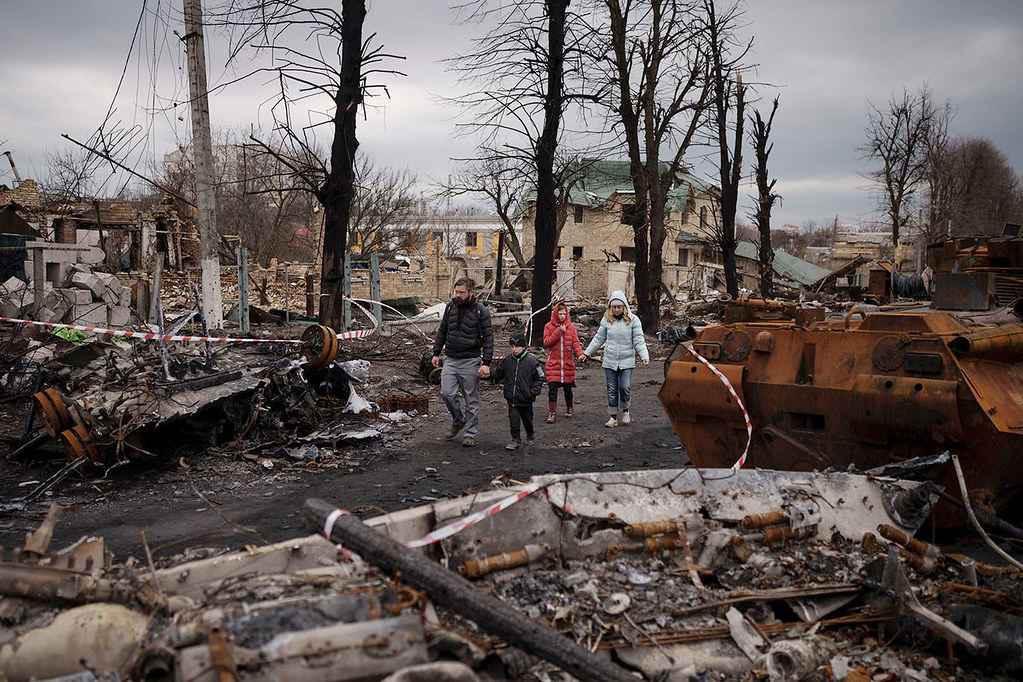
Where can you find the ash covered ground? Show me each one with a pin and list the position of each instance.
(239, 494)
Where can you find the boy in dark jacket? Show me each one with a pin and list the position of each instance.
(523, 381)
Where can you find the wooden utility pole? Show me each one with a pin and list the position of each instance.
(202, 150)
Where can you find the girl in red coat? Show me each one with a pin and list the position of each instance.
(561, 339)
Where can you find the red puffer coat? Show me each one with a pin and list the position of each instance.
(562, 346)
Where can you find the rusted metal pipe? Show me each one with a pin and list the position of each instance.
(1003, 343)
(648, 528)
(782, 533)
(897, 536)
(773, 518)
(477, 568)
(654, 544)
(922, 556)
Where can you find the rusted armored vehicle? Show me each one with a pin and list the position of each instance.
(866, 390)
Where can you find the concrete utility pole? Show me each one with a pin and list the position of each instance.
(202, 150)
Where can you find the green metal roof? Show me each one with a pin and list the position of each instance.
(601, 179)
(785, 264)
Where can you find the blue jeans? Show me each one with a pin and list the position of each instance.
(619, 389)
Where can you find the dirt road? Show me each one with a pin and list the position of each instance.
(215, 500)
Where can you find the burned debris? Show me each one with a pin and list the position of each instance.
(664, 574)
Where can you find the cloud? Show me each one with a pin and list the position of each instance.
(62, 61)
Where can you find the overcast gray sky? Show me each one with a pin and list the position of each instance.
(61, 61)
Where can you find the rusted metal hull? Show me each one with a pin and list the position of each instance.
(862, 393)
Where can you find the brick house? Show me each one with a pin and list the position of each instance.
(596, 247)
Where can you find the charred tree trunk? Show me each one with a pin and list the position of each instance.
(650, 305)
(545, 227)
(730, 159)
(731, 169)
(629, 115)
(337, 192)
(765, 197)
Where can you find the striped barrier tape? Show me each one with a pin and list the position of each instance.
(461, 524)
(384, 305)
(739, 463)
(153, 336)
(149, 336)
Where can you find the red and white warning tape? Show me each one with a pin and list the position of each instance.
(384, 305)
(461, 524)
(153, 336)
(472, 519)
(149, 336)
(731, 389)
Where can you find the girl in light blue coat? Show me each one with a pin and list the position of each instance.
(621, 335)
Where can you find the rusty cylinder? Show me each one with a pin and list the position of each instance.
(774, 534)
(1003, 343)
(648, 528)
(763, 520)
(660, 542)
(893, 534)
(477, 568)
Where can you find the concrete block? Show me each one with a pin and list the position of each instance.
(119, 317)
(57, 303)
(90, 281)
(11, 307)
(12, 286)
(107, 279)
(109, 297)
(44, 314)
(125, 298)
(82, 296)
(91, 314)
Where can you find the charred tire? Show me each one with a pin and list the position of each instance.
(56, 417)
(320, 347)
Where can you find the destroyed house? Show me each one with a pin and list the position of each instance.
(597, 245)
(129, 234)
(789, 271)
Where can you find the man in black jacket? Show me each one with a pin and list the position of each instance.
(467, 338)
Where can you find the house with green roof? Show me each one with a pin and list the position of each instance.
(596, 246)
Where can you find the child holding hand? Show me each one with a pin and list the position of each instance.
(561, 339)
(523, 381)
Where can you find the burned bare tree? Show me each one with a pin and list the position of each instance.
(762, 146)
(257, 197)
(330, 59)
(896, 138)
(500, 185)
(973, 189)
(518, 71)
(658, 77)
(728, 94)
(386, 212)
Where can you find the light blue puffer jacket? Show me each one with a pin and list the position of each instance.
(621, 341)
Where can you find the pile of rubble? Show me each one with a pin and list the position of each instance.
(664, 575)
(95, 299)
(122, 400)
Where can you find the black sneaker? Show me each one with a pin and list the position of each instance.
(529, 441)
(454, 431)
(513, 445)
